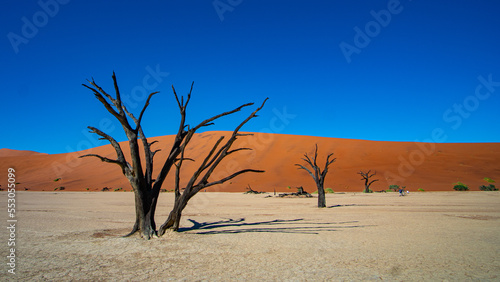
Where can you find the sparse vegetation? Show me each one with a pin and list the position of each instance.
(329, 190)
(394, 187)
(421, 190)
(489, 180)
(490, 187)
(459, 186)
(59, 188)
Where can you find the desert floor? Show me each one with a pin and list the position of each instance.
(232, 236)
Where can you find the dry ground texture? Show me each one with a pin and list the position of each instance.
(232, 236)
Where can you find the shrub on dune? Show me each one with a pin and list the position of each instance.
(459, 186)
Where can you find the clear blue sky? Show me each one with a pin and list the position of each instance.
(375, 70)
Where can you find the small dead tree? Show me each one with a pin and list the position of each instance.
(146, 188)
(366, 177)
(318, 175)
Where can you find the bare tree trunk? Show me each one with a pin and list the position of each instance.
(145, 213)
(367, 187)
(174, 217)
(321, 196)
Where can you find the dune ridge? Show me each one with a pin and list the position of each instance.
(429, 166)
(13, 153)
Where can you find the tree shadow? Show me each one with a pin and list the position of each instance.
(339, 206)
(295, 226)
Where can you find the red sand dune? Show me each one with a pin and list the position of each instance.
(14, 153)
(432, 167)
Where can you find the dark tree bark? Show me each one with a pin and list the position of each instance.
(146, 188)
(318, 175)
(366, 177)
(200, 178)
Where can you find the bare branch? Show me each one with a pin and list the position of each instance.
(118, 101)
(239, 149)
(189, 95)
(93, 83)
(207, 162)
(177, 176)
(213, 160)
(99, 92)
(306, 169)
(185, 159)
(208, 121)
(196, 190)
(121, 161)
(111, 140)
(252, 115)
(138, 123)
(154, 152)
(308, 160)
(179, 103)
(104, 102)
(315, 155)
(245, 134)
(328, 163)
(103, 159)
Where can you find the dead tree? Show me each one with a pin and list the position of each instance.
(145, 187)
(318, 175)
(251, 191)
(200, 178)
(366, 177)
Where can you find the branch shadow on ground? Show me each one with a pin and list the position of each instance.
(339, 206)
(298, 226)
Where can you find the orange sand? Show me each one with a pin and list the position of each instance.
(432, 167)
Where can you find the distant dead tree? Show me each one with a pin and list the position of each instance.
(146, 188)
(366, 177)
(318, 175)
